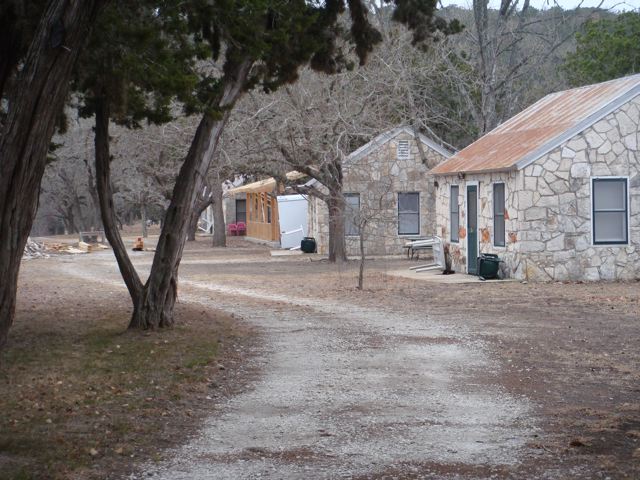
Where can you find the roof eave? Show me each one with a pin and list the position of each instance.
(389, 135)
(474, 172)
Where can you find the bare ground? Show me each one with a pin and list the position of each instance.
(406, 379)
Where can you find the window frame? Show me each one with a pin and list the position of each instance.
(346, 207)
(408, 155)
(611, 178)
(237, 201)
(457, 212)
(399, 213)
(495, 215)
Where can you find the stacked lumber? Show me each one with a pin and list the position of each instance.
(90, 247)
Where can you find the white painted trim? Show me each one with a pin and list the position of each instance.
(390, 135)
(592, 235)
(475, 183)
(613, 105)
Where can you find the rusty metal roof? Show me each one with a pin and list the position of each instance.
(542, 127)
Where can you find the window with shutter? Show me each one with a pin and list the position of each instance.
(403, 150)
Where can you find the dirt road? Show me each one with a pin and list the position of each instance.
(369, 386)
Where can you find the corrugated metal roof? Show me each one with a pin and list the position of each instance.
(266, 185)
(542, 127)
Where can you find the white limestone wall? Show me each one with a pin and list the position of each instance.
(485, 183)
(378, 177)
(555, 231)
(549, 234)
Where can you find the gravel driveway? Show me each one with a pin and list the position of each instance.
(407, 379)
(348, 391)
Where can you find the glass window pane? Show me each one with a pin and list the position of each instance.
(453, 199)
(455, 228)
(610, 227)
(454, 213)
(352, 209)
(408, 224)
(408, 202)
(241, 211)
(609, 194)
(498, 198)
(498, 234)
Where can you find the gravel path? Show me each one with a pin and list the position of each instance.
(349, 391)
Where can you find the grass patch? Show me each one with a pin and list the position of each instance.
(81, 396)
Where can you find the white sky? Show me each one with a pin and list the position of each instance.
(618, 5)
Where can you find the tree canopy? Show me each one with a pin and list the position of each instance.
(607, 48)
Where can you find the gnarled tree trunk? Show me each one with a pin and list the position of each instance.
(193, 224)
(105, 197)
(25, 137)
(160, 292)
(219, 227)
(202, 203)
(337, 243)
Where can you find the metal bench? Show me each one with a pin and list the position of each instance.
(436, 246)
(414, 247)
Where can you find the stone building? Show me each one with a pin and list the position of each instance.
(385, 182)
(554, 191)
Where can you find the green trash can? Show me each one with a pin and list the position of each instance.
(308, 245)
(488, 266)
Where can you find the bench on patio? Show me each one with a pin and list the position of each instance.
(416, 246)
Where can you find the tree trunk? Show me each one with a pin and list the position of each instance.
(93, 192)
(363, 226)
(24, 141)
(337, 243)
(219, 227)
(105, 197)
(202, 203)
(9, 43)
(193, 224)
(143, 220)
(156, 307)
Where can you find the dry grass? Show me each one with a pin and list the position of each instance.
(80, 396)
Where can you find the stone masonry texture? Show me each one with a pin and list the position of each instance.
(378, 177)
(548, 207)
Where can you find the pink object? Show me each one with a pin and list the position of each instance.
(241, 228)
(233, 229)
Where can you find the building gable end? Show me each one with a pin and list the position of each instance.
(577, 129)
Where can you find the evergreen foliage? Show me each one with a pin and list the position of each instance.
(607, 48)
(138, 59)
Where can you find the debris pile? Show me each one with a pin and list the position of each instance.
(65, 248)
(34, 250)
(90, 247)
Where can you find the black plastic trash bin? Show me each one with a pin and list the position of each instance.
(488, 266)
(308, 245)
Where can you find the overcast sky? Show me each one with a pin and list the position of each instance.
(618, 5)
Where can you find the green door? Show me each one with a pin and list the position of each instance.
(472, 229)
